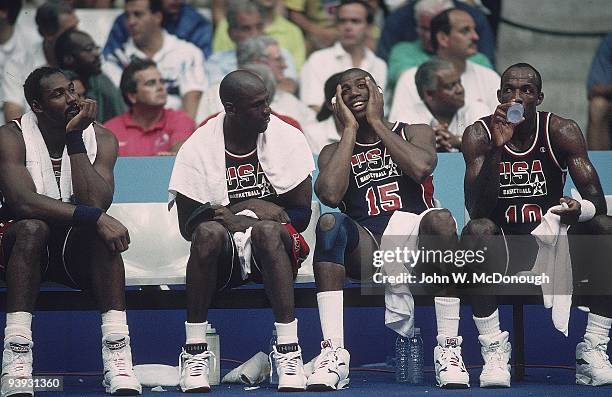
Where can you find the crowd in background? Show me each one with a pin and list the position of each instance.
(156, 77)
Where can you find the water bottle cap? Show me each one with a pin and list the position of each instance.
(210, 329)
(417, 331)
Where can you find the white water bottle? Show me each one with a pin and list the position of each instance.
(214, 364)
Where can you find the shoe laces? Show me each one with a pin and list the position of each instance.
(327, 358)
(452, 355)
(121, 365)
(20, 365)
(287, 363)
(600, 356)
(195, 364)
(495, 356)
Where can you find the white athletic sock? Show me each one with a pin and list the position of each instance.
(331, 314)
(447, 315)
(114, 322)
(18, 324)
(488, 325)
(598, 325)
(286, 333)
(195, 332)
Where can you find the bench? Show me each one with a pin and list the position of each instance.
(141, 190)
(155, 275)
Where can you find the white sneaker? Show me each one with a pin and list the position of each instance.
(450, 369)
(331, 369)
(289, 367)
(194, 367)
(119, 377)
(496, 355)
(592, 364)
(16, 364)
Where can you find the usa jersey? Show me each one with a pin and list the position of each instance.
(529, 182)
(378, 187)
(245, 178)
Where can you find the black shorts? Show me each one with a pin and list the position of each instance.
(229, 273)
(521, 252)
(56, 264)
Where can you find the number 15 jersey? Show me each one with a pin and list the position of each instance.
(378, 187)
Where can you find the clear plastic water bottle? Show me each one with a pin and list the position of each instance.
(273, 373)
(415, 358)
(401, 359)
(214, 345)
(409, 358)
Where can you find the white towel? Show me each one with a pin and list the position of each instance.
(554, 260)
(199, 168)
(242, 240)
(38, 161)
(402, 231)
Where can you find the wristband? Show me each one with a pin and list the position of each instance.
(74, 142)
(587, 210)
(84, 215)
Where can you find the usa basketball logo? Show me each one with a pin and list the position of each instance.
(373, 165)
(521, 179)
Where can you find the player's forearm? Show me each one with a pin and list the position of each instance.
(481, 192)
(31, 205)
(414, 161)
(333, 180)
(89, 187)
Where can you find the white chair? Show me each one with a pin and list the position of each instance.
(158, 253)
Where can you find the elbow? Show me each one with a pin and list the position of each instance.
(427, 168)
(424, 171)
(327, 195)
(329, 200)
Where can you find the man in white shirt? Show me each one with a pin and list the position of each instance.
(261, 50)
(443, 105)
(52, 19)
(180, 63)
(454, 37)
(354, 21)
(244, 21)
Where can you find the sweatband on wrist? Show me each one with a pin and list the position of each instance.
(300, 217)
(587, 211)
(85, 215)
(74, 142)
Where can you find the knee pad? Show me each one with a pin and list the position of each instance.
(341, 238)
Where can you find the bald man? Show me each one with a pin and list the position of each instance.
(260, 208)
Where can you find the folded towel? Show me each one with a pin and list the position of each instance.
(38, 161)
(242, 240)
(199, 168)
(402, 231)
(554, 260)
(151, 375)
(252, 372)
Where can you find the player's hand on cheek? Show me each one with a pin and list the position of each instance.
(374, 109)
(342, 113)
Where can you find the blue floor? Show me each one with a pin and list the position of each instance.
(539, 382)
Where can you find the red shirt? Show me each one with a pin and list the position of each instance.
(173, 126)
